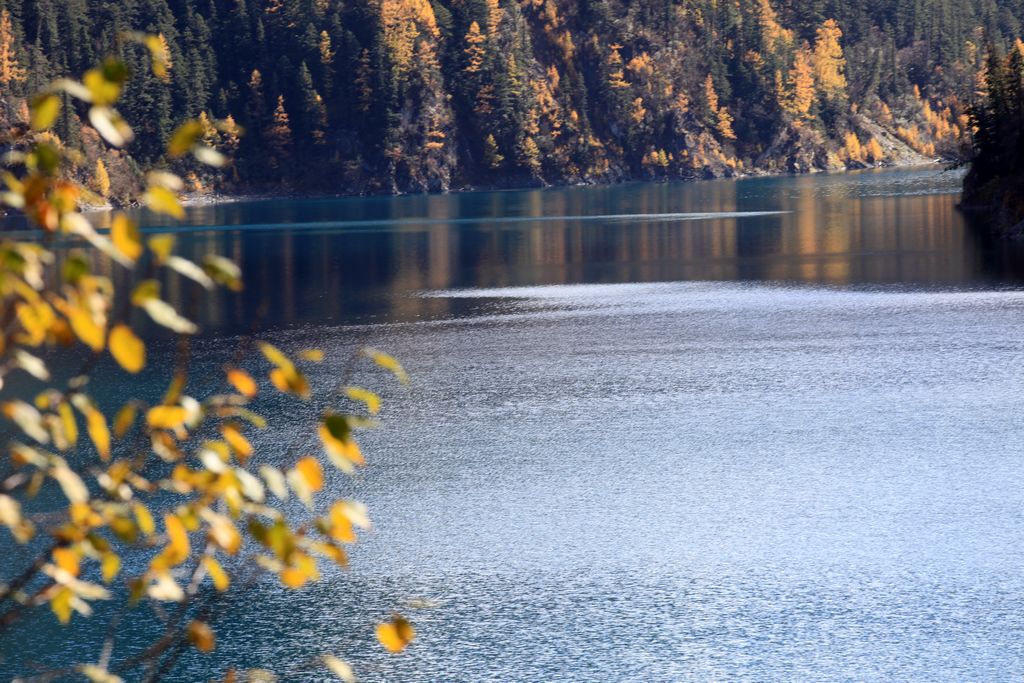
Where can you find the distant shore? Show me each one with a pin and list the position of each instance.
(213, 198)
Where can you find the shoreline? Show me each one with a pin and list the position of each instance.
(198, 200)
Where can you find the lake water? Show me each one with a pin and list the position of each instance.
(758, 430)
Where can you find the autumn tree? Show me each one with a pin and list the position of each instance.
(279, 135)
(719, 117)
(160, 503)
(797, 95)
(474, 51)
(829, 63)
(493, 157)
(102, 179)
(494, 57)
(11, 71)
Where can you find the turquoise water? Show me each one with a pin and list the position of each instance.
(764, 430)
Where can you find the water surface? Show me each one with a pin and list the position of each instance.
(768, 431)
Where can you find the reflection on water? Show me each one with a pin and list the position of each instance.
(603, 475)
(360, 258)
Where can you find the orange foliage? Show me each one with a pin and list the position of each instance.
(829, 63)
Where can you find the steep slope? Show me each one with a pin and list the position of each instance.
(411, 95)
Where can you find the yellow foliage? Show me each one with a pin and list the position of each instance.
(637, 113)
(773, 35)
(475, 52)
(710, 94)
(395, 635)
(616, 74)
(128, 350)
(852, 150)
(102, 179)
(829, 63)
(874, 152)
(403, 21)
(11, 70)
(207, 490)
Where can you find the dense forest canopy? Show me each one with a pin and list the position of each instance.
(996, 179)
(396, 95)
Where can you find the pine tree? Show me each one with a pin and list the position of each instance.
(529, 155)
(279, 135)
(492, 156)
(255, 108)
(364, 82)
(327, 55)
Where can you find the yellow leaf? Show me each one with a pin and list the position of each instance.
(165, 179)
(128, 350)
(314, 355)
(274, 355)
(45, 110)
(209, 156)
(184, 138)
(285, 376)
(339, 668)
(166, 589)
(336, 554)
(396, 634)
(60, 603)
(178, 547)
(242, 382)
(290, 381)
(223, 532)
(370, 399)
(144, 519)
(108, 123)
(166, 417)
(190, 270)
(293, 578)
(125, 236)
(104, 86)
(217, 574)
(110, 566)
(70, 425)
(164, 314)
(10, 511)
(70, 483)
(28, 419)
(341, 525)
(224, 271)
(86, 328)
(161, 246)
(300, 486)
(275, 481)
(311, 472)
(336, 435)
(387, 362)
(160, 56)
(147, 289)
(98, 674)
(241, 445)
(67, 559)
(201, 635)
(162, 200)
(124, 419)
(96, 424)
(33, 365)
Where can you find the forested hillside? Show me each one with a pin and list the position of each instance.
(995, 183)
(408, 95)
